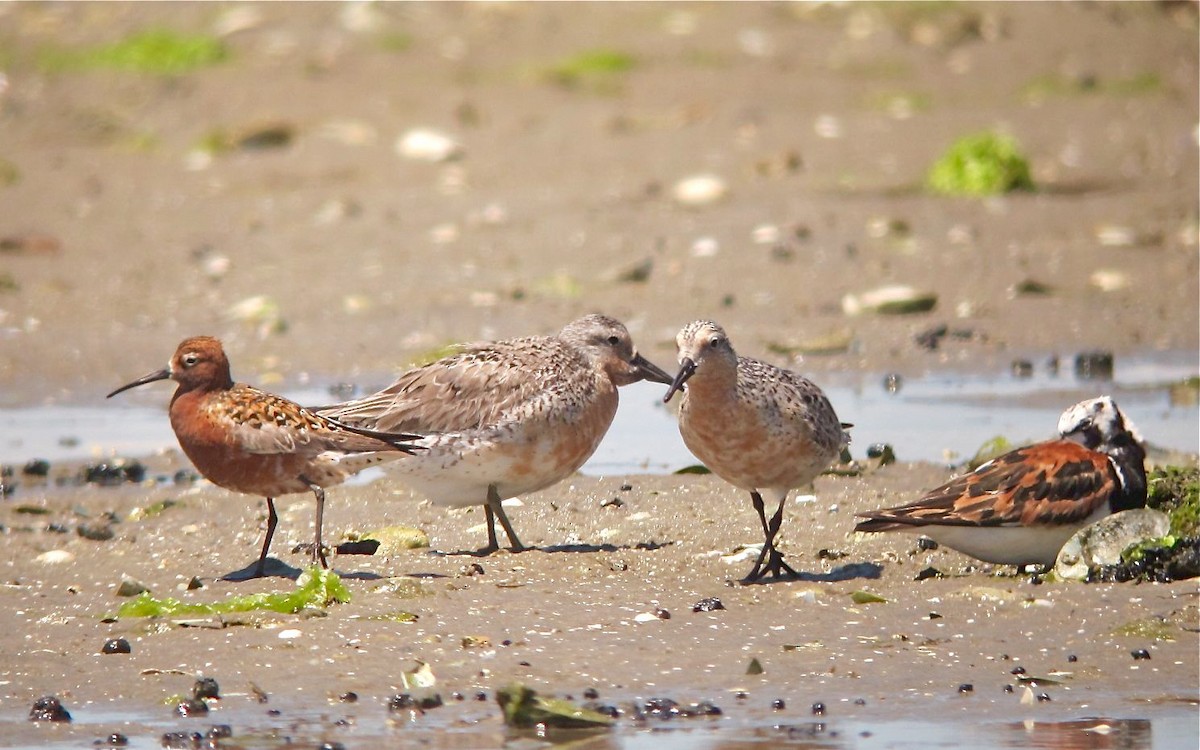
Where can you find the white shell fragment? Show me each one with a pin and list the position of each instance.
(894, 299)
(423, 144)
(700, 190)
(55, 557)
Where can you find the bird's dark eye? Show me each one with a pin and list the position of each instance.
(714, 342)
(614, 340)
(190, 359)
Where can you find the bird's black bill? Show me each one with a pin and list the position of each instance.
(687, 368)
(162, 374)
(650, 371)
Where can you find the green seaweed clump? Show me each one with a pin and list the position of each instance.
(1175, 490)
(589, 66)
(524, 709)
(980, 164)
(315, 588)
(159, 51)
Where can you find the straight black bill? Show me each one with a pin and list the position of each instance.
(687, 368)
(650, 371)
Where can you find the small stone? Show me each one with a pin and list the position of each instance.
(37, 467)
(348, 697)
(818, 709)
(925, 544)
(1008, 688)
(894, 299)
(116, 739)
(1043, 698)
(700, 190)
(1072, 658)
(966, 687)
(591, 694)
(661, 613)
(191, 707)
(1022, 368)
(206, 688)
(55, 557)
(1096, 365)
(778, 704)
(97, 532)
(48, 708)
(115, 646)
(131, 587)
(709, 604)
(1018, 670)
(1140, 654)
(424, 144)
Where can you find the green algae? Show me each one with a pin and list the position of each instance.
(157, 51)
(980, 164)
(314, 588)
(524, 709)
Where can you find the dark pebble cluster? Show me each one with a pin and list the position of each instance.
(709, 604)
(1158, 565)
(197, 740)
(414, 703)
(109, 473)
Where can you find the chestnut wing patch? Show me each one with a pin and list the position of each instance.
(1049, 483)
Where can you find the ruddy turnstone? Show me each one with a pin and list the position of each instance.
(506, 418)
(250, 441)
(1020, 508)
(757, 426)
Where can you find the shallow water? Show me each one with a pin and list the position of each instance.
(1168, 731)
(940, 418)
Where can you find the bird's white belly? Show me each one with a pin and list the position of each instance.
(458, 468)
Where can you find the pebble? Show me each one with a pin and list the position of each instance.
(425, 144)
(709, 604)
(892, 299)
(1097, 365)
(206, 688)
(190, 707)
(699, 190)
(48, 708)
(55, 557)
(1140, 654)
(116, 646)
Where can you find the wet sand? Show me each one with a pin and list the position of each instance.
(121, 240)
(569, 616)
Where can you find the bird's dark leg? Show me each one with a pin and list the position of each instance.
(318, 550)
(496, 508)
(272, 520)
(757, 571)
(775, 564)
(493, 543)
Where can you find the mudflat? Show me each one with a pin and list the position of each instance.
(262, 198)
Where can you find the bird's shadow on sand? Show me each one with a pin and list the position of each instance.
(585, 548)
(848, 572)
(276, 568)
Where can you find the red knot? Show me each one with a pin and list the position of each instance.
(506, 418)
(757, 426)
(1022, 507)
(250, 441)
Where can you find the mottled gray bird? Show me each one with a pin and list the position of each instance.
(757, 426)
(506, 418)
